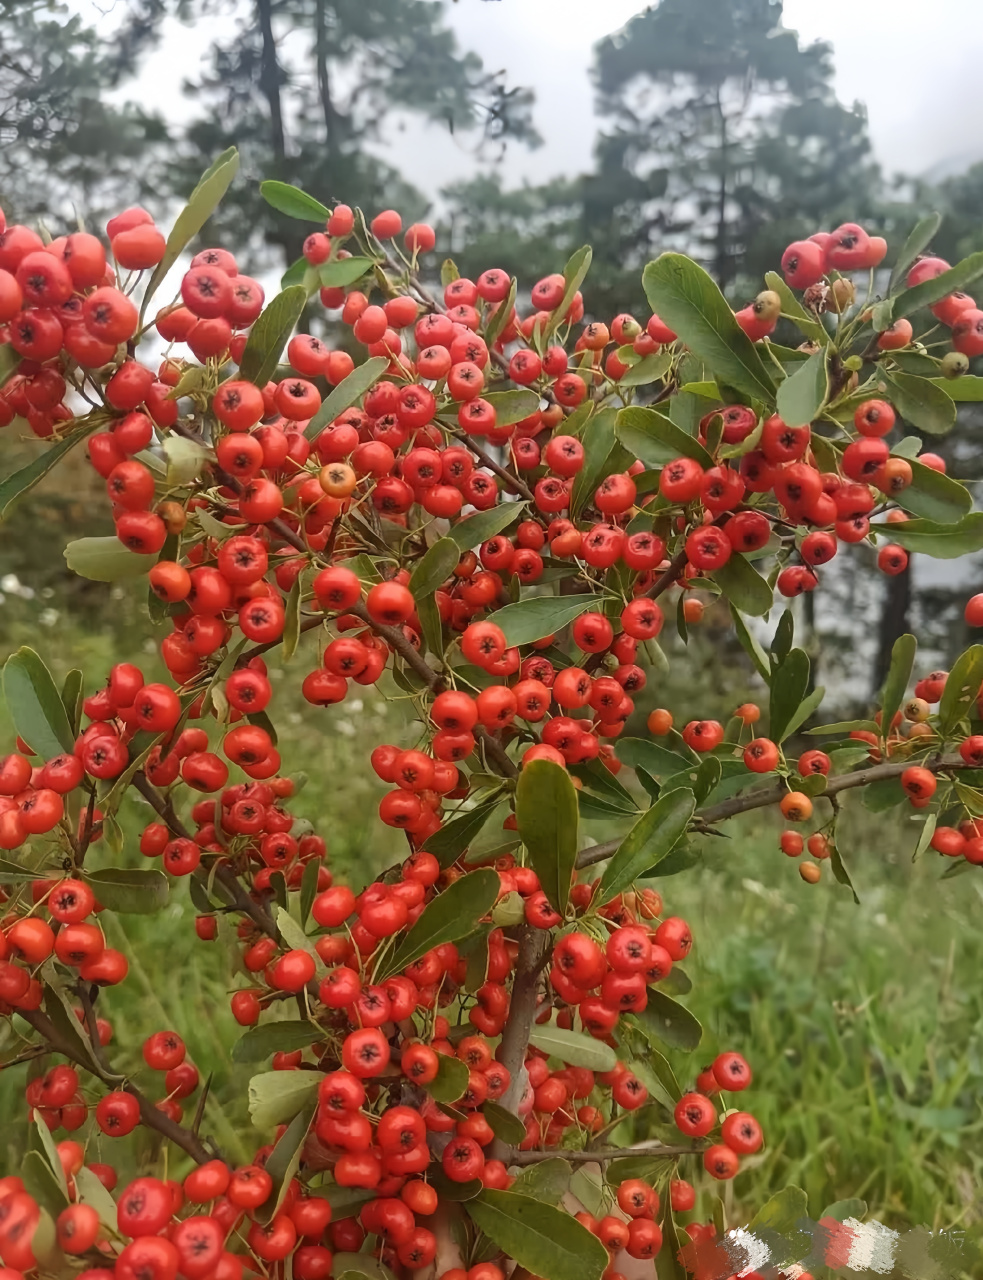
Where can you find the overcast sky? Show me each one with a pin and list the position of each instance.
(915, 66)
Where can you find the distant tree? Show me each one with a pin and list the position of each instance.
(726, 138)
(61, 143)
(305, 87)
(722, 137)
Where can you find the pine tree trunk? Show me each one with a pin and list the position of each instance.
(895, 609)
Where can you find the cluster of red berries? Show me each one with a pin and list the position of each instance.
(296, 517)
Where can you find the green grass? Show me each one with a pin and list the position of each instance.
(864, 1025)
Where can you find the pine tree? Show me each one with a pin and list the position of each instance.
(61, 142)
(725, 136)
(304, 88)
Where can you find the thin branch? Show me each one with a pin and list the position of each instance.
(772, 795)
(522, 1014)
(666, 579)
(511, 482)
(656, 1149)
(149, 1114)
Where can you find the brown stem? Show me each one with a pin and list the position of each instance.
(772, 795)
(515, 1157)
(398, 642)
(519, 1024)
(666, 579)
(511, 482)
(241, 900)
(149, 1114)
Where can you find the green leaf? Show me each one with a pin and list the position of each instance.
(806, 708)
(540, 616)
(793, 309)
(512, 406)
(802, 396)
(941, 541)
(448, 272)
(588, 1186)
(453, 838)
(843, 1209)
(476, 529)
(929, 292)
(41, 1183)
(921, 403)
(284, 1161)
(573, 1047)
(547, 1180)
(898, 675)
(961, 688)
(35, 705)
(925, 835)
(788, 687)
(781, 642)
(669, 1021)
(574, 273)
(933, 495)
(744, 586)
(359, 1264)
(654, 835)
(453, 914)
(106, 560)
(684, 857)
(361, 379)
(651, 437)
(965, 390)
(649, 369)
(782, 1213)
(451, 1080)
(884, 794)
(497, 322)
(653, 757)
(345, 1202)
(751, 646)
(260, 1043)
(293, 202)
(135, 893)
(686, 298)
(185, 459)
(659, 1066)
(23, 481)
(668, 1265)
(342, 272)
(275, 1097)
(598, 440)
(308, 889)
(434, 567)
(202, 203)
(269, 335)
(47, 1145)
(429, 615)
(546, 813)
(91, 1192)
(9, 360)
(597, 807)
(504, 1124)
(840, 873)
(291, 621)
(919, 239)
(546, 1241)
(297, 273)
(598, 778)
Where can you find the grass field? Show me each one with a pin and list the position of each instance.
(864, 1024)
